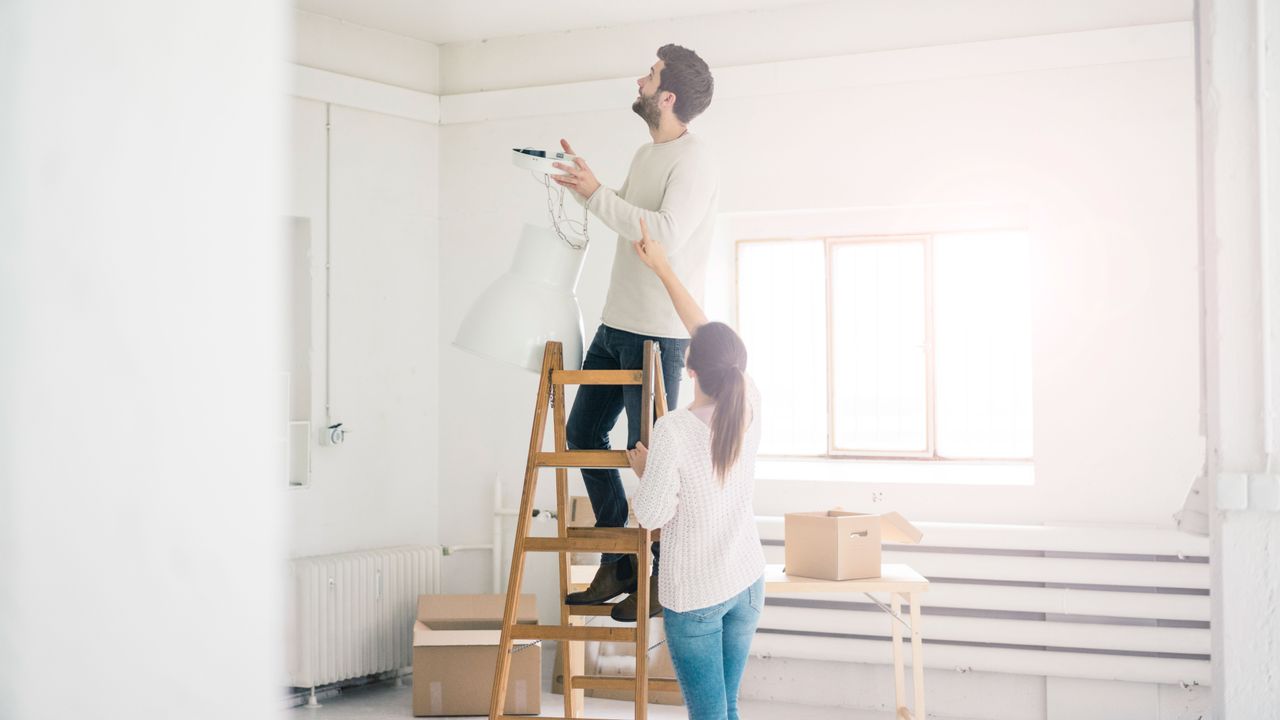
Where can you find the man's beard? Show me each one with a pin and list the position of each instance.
(646, 106)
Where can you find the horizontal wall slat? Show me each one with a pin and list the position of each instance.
(1054, 538)
(1061, 601)
(1124, 573)
(1083, 636)
(1068, 601)
(1169, 671)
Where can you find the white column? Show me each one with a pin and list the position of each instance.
(141, 411)
(1241, 287)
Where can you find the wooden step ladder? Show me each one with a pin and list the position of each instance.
(635, 541)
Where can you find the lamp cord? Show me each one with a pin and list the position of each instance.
(564, 226)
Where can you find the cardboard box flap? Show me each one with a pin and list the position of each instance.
(895, 528)
(472, 612)
(424, 636)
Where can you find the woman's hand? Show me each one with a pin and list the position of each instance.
(651, 251)
(637, 457)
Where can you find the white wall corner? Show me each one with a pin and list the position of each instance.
(331, 87)
(336, 45)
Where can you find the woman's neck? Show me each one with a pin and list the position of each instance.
(701, 399)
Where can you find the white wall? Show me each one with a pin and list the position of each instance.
(1239, 79)
(141, 306)
(378, 488)
(1100, 155)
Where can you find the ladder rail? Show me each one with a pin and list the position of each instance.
(497, 700)
(573, 698)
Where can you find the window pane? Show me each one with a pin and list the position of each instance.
(782, 319)
(983, 332)
(878, 355)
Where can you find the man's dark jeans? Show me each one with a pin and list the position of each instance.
(597, 407)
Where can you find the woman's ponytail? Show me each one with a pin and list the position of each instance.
(719, 358)
(729, 422)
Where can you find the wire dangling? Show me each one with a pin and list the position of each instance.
(560, 221)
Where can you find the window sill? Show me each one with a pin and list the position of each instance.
(939, 472)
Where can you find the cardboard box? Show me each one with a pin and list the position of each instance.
(841, 545)
(455, 651)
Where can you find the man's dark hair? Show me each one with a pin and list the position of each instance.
(686, 75)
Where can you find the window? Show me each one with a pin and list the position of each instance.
(901, 347)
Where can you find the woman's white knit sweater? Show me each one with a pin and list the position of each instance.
(710, 545)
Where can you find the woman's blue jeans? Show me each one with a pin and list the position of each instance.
(597, 407)
(709, 649)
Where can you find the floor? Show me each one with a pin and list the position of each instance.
(385, 702)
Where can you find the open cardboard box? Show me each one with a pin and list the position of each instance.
(841, 545)
(455, 651)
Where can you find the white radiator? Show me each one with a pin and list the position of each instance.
(352, 614)
(1085, 602)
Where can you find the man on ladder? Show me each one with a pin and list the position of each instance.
(673, 185)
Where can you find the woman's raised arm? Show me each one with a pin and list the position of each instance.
(654, 256)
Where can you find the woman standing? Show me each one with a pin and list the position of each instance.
(696, 484)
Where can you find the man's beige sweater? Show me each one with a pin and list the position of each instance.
(674, 186)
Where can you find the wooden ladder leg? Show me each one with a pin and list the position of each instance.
(643, 561)
(646, 392)
(573, 699)
(509, 614)
(660, 384)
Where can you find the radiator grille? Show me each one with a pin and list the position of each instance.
(352, 614)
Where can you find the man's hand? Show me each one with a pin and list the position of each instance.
(580, 178)
(637, 457)
(651, 252)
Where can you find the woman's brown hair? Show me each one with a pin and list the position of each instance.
(719, 358)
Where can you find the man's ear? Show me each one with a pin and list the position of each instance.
(668, 100)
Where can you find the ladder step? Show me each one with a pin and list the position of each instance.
(622, 682)
(583, 459)
(572, 544)
(602, 610)
(536, 718)
(615, 540)
(575, 633)
(597, 377)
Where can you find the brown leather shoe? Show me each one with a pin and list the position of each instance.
(625, 611)
(610, 581)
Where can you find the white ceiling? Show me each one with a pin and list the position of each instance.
(449, 21)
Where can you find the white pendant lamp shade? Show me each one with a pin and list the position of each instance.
(531, 303)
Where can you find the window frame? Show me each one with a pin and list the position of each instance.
(830, 242)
